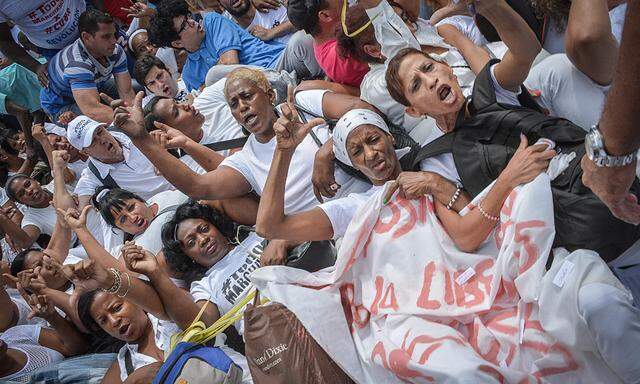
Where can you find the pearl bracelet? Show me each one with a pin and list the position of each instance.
(486, 215)
(128, 286)
(455, 196)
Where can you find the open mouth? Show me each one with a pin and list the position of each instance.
(250, 120)
(110, 147)
(35, 195)
(124, 330)
(445, 93)
(237, 4)
(165, 90)
(379, 165)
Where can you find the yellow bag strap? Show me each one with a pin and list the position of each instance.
(343, 18)
(198, 333)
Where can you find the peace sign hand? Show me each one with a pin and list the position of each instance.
(288, 129)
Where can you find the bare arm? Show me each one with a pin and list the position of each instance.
(272, 223)
(475, 56)
(89, 102)
(334, 105)
(64, 337)
(242, 210)
(229, 57)
(21, 237)
(125, 90)
(589, 43)
(170, 137)
(330, 85)
(9, 314)
(113, 374)
(518, 37)
(16, 53)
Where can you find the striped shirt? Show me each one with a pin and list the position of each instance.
(74, 68)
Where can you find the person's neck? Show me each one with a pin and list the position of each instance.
(327, 33)
(13, 362)
(245, 20)
(147, 344)
(94, 54)
(447, 122)
(197, 135)
(80, 157)
(265, 137)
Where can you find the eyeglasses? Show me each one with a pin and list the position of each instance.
(184, 24)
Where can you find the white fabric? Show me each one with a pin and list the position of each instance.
(23, 308)
(411, 318)
(136, 173)
(347, 123)
(80, 131)
(24, 338)
(47, 24)
(192, 164)
(254, 162)
(444, 164)
(616, 17)
(162, 331)
(219, 124)
(272, 19)
(341, 211)
(227, 281)
(168, 57)
(467, 26)
(42, 218)
(567, 92)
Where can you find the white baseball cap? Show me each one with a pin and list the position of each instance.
(80, 131)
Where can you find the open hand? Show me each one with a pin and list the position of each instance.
(139, 10)
(40, 305)
(289, 130)
(129, 119)
(74, 219)
(265, 6)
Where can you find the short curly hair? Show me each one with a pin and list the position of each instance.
(255, 76)
(161, 32)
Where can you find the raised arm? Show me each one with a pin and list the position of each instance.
(472, 229)
(619, 127)
(518, 37)
(169, 138)
(334, 105)
(125, 90)
(272, 223)
(219, 184)
(589, 43)
(178, 303)
(16, 53)
(477, 57)
(9, 314)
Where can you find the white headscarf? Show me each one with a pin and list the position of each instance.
(134, 34)
(347, 123)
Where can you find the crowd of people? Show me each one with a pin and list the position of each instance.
(475, 160)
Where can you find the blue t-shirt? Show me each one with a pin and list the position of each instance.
(222, 35)
(74, 68)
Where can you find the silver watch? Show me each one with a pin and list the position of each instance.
(594, 145)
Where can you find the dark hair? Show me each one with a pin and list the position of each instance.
(144, 65)
(150, 117)
(10, 193)
(160, 29)
(84, 304)
(392, 76)
(89, 19)
(303, 14)
(113, 199)
(176, 259)
(354, 46)
(17, 265)
(4, 173)
(5, 136)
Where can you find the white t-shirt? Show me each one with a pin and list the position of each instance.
(219, 124)
(136, 173)
(567, 92)
(272, 19)
(47, 24)
(254, 162)
(228, 281)
(444, 164)
(341, 211)
(24, 338)
(467, 26)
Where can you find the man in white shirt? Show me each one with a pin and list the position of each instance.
(271, 25)
(115, 162)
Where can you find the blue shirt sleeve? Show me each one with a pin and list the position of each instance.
(120, 61)
(222, 35)
(189, 77)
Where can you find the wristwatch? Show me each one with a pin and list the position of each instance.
(594, 145)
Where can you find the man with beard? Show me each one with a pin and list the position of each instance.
(271, 25)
